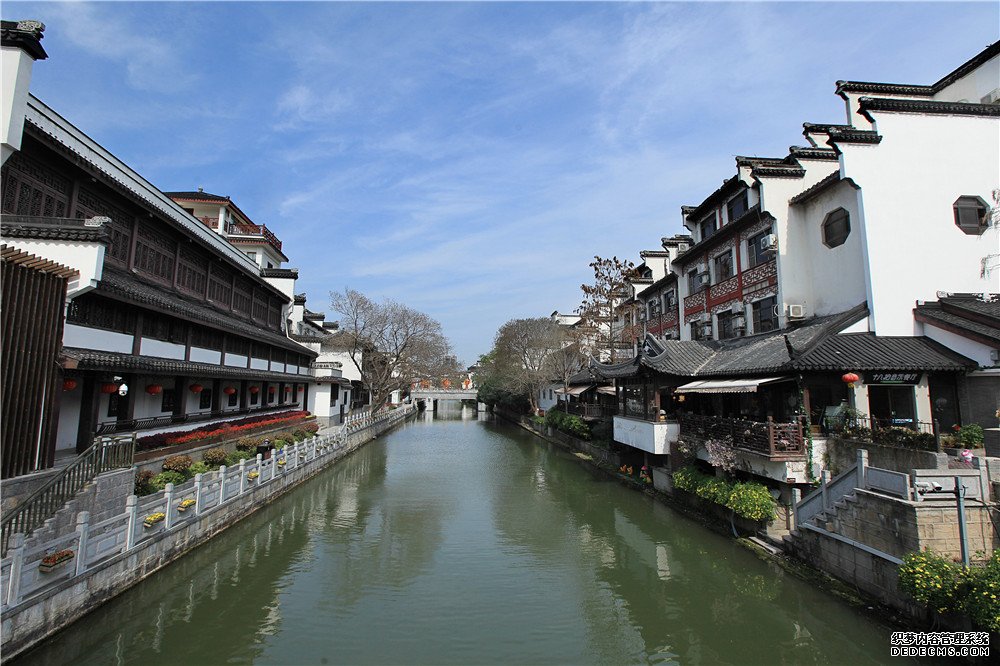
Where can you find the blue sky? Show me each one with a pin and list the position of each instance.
(469, 159)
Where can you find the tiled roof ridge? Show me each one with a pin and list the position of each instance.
(972, 63)
(890, 105)
(819, 187)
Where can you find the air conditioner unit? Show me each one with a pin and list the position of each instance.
(796, 311)
(737, 309)
(706, 330)
(769, 243)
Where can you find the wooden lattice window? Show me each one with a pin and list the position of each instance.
(192, 271)
(32, 188)
(154, 253)
(259, 306)
(206, 338)
(90, 204)
(96, 312)
(274, 314)
(219, 286)
(168, 329)
(238, 346)
(242, 298)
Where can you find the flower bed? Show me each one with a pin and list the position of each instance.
(154, 518)
(947, 587)
(185, 505)
(217, 432)
(55, 560)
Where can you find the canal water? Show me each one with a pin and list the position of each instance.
(459, 540)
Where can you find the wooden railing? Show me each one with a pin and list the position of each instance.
(782, 441)
(107, 453)
(590, 411)
(160, 421)
(257, 230)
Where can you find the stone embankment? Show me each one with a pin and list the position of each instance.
(45, 587)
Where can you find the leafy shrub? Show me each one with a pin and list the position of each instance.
(144, 483)
(948, 587)
(567, 423)
(752, 500)
(177, 464)
(248, 443)
(161, 480)
(748, 500)
(971, 435)
(214, 457)
(197, 468)
(235, 457)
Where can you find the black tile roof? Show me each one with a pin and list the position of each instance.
(920, 90)
(122, 286)
(866, 351)
(89, 359)
(749, 218)
(851, 135)
(25, 35)
(966, 315)
(819, 188)
(198, 196)
(812, 153)
(54, 228)
(292, 273)
(728, 188)
(884, 104)
(754, 355)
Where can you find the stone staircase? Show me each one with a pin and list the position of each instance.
(827, 519)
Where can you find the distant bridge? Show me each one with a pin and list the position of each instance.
(430, 396)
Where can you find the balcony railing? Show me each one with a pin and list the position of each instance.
(778, 441)
(257, 230)
(161, 421)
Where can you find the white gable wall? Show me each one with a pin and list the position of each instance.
(908, 184)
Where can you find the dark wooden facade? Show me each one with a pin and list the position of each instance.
(31, 316)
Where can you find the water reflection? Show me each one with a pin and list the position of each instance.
(457, 540)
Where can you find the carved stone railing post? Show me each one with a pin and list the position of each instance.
(168, 496)
(16, 564)
(132, 509)
(198, 480)
(83, 537)
(222, 483)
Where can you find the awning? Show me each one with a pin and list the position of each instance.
(728, 385)
(575, 390)
(606, 390)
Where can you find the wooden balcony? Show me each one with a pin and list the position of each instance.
(776, 441)
(259, 230)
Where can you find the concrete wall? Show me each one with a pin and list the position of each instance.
(34, 619)
(842, 453)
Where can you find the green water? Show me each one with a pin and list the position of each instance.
(457, 540)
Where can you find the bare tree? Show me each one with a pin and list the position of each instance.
(603, 301)
(388, 342)
(521, 353)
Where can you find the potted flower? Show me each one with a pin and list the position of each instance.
(252, 476)
(281, 462)
(154, 518)
(55, 560)
(185, 505)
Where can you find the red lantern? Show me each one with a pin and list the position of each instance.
(229, 390)
(109, 388)
(69, 384)
(850, 378)
(270, 389)
(197, 388)
(154, 389)
(302, 388)
(287, 389)
(255, 390)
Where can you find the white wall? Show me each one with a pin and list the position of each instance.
(150, 347)
(827, 280)
(15, 77)
(69, 417)
(236, 360)
(909, 183)
(646, 435)
(977, 351)
(86, 258)
(973, 87)
(544, 401)
(96, 338)
(199, 355)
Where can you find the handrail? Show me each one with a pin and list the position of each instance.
(149, 422)
(105, 454)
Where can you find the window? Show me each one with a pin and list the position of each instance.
(189, 211)
(694, 282)
(234, 399)
(726, 328)
(205, 401)
(253, 398)
(168, 400)
(755, 253)
(654, 308)
(669, 301)
(270, 265)
(707, 226)
(765, 318)
(701, 330)
(737, 206)
(114, 401)
(836, 227)
(971, 214)
(253, 256)
(723, 266)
